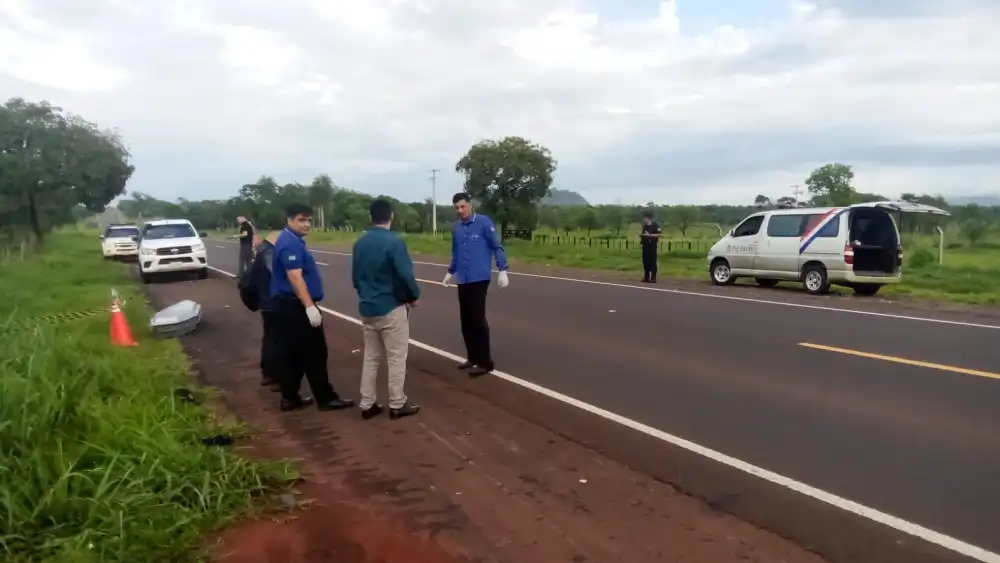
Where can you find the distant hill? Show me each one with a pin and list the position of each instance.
(986, 199)
(563, 198)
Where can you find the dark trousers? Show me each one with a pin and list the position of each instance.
(649, 262)
(270, 364)
(301, 350)
(246, 256)
(475, 329)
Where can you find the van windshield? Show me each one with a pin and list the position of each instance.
(179, 230)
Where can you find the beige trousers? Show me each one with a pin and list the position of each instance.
(386, 337)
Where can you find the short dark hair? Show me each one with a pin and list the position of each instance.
(380, 211)
(296, 209)
(460, 196)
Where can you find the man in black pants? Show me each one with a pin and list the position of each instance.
(649, 242)
(246, 245)
(474, 244)
(270, 364)
(296, 287)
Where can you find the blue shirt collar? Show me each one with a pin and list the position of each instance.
(471, 219)
(287, 230)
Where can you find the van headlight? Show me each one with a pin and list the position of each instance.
(198, 247)
(147, 251)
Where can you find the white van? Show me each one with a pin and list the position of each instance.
(857, 247)
(171, 245)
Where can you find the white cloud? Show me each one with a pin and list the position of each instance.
(212, 94)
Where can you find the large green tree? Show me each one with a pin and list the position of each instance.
(832, 185)
(51, 163)
(508, 178)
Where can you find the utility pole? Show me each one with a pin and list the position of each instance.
(434, 201)
(796, 191)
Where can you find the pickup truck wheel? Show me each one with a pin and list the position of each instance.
(721, 273)
(866, 289)
(815, 280)
(203, 274)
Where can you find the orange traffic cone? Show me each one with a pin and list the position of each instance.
(121, 334)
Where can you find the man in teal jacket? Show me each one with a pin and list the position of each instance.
(382, 272)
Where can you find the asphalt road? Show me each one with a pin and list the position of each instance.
(919, 441)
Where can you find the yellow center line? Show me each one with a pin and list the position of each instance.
(898, 360)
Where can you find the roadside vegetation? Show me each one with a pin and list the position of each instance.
(100, 461)
(565, 230)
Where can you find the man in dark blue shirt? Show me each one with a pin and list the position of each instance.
(649, 241)
(475, 243)
(296, 287)
(382, 273)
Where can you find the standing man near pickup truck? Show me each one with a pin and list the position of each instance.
(474, 244)
(649, 242)
(246, 238)
(296, 288)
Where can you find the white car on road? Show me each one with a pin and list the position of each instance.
(118, 241)
(171, 245)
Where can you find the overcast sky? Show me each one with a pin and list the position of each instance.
(693, 101)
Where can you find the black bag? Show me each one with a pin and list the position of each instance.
(255, 283)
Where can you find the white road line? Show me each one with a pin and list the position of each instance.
(728, 297)
(219, 246)
(322, 263)
(916, 530)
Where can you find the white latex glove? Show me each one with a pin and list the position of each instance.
(502, 280)
(315, 317)
(448, 280)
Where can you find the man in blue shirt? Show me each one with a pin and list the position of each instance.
(475, 243)
(382, 273)
(296, 287)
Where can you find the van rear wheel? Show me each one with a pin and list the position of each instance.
(815, 280)
(866, 289)
(764, 282)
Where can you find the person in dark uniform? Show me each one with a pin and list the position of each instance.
(246, 244)
(296, 288)
(270, 364)
(649, 242)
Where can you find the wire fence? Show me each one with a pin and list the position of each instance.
(607, 242)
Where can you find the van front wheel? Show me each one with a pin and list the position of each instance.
(866, 289)
(721, 273)
(815, 280)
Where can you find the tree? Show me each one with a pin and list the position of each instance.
(762, 201)
(507, 177)
(320, 196)
(974, 230)
(51, 163)
(830, 185)
(682, 217)
(587, 220)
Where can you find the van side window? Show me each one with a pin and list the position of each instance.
(749, 227)
(830, 230)
(785, 225)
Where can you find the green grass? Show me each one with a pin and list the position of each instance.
(970, 274)
(99, 462)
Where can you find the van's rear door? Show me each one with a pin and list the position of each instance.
(904, 207)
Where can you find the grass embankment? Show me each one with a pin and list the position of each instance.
(99, 462)
(969, 274)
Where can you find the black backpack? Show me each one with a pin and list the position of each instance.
(255, 283)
